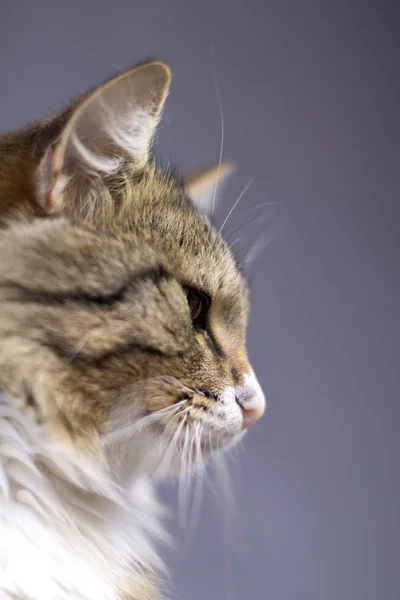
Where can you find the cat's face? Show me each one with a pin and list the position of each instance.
(123, 316)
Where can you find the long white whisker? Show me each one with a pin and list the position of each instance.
(222, 143)
(261, 242)
(198, 490)
(127, 430)
(171, 448)
(191, 465)
(227, 252)
(263, 204)
(179, 414)
(236, 219)
(183, 490)
(268, 214)
(191, 450)
(242, 193)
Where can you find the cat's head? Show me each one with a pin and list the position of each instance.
(122, 310)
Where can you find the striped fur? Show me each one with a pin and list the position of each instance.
(107, 379)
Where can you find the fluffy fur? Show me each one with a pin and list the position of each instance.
(67, 531)
(122, 345)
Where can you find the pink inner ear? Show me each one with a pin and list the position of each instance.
(115, 123)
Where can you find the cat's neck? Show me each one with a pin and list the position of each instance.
(64, 523)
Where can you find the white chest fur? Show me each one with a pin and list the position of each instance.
(66, 530)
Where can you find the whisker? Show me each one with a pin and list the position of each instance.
(192, 451)
(188, 462)
(232, 244)
(242, 263)
(179, 413)
(240, 227)
(171, 448)
(248, 210)
(227, 254)
(123, 432)
(242, 193)
(262, 204)
(227, 251)
(266, 241)
(221, 146)
(265, 217)
(198, 490)
(183, 491)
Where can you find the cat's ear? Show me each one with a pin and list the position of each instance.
(203, 187)
(113, 125)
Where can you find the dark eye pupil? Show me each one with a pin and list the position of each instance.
(198, 306)
(195, 306)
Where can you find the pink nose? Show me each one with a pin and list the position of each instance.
(251, 400)
(252, 413)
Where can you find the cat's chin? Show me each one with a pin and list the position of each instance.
(166, 447)
(192, 455)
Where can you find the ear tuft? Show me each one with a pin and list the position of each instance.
(111, 127)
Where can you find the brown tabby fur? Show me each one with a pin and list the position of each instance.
(91, 300)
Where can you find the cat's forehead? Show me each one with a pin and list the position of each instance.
(155, 212)
(169, 223)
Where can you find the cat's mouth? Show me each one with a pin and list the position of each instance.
(225, 414)
(179, 425)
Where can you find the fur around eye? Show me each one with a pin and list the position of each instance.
(199, 304)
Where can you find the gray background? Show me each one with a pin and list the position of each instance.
(311, 104)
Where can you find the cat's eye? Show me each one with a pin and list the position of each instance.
(199, 303)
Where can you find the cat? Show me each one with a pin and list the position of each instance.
(122, 343)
